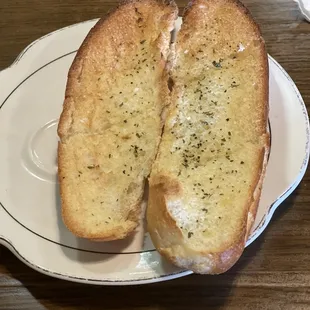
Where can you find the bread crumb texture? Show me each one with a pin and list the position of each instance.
(111, 124)
(214, 139)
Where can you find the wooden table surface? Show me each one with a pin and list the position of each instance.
(273, 273)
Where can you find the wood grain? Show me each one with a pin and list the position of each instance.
(273, 273)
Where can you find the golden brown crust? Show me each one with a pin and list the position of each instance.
(90, 57)
(258, 187)
(77, 65)
(166, 235)
(169, 241)
(69, 217)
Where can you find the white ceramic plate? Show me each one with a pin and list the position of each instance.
(31, 97)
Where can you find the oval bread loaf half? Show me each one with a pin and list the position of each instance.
(111, 123)
(206, 181)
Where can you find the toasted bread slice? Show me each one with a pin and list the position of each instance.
(206, 180)
(111, 124)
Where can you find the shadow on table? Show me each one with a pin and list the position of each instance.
(191, 292)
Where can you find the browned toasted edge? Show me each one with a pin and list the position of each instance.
(77, 63)
(163, 225)
(113, 234)
(68, 106)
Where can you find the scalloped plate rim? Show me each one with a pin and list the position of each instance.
(267, 218)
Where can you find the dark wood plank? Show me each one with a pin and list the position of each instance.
(273, 273)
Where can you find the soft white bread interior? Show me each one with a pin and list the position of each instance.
(111, 123)
(206, 180)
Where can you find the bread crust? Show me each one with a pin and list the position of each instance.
(165, 233)
(65, 131)
(77, 64)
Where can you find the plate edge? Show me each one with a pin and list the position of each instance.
(9, 245)
(268, 215)
(33, 43)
